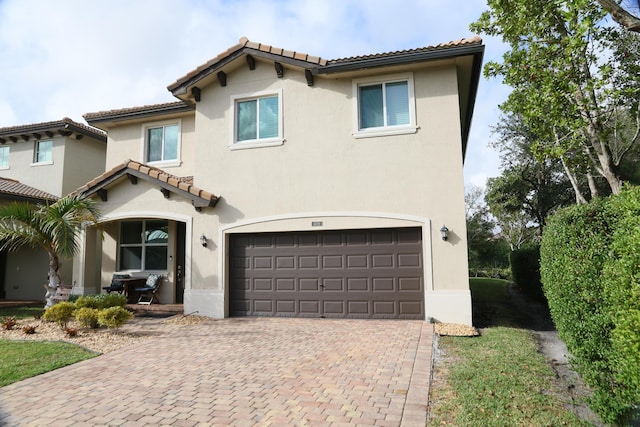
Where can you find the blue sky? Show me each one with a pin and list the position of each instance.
(65, 58)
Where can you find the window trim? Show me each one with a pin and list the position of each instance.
(145, 147)
(142, 245)
(412, 127)
(36, 146)
(8, 153)
(256, 143)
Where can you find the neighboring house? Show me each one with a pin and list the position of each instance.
(283, 184)
(38, 164)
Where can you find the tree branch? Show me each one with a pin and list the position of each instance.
(621, 16)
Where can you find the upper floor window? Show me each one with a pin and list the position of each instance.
(4, 157)
(143, 245)
(42, 152)
(384, 106)
(162, 142)
(257, 120)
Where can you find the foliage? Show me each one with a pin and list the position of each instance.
(525, 267)
(484, 250)
(529, 189)
(499, 378)
(29, 329)
(114, 317)
(53, 227)
(87, 317)
(24, 359)
(61, 313)
(591, 276)
(101, 301)
(8, 323)
(569, 76)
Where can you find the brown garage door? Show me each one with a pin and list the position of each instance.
(347, 273)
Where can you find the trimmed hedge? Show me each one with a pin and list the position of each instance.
(525, 268)
(590, 268)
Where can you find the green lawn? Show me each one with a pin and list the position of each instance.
(499, 378)
(24, 359)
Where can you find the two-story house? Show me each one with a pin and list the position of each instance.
(38, 163)
(283, 184)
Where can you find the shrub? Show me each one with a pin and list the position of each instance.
(8, 323)
(525, 268)
(101, 301)
(113, 300)
(590, 268)
(89, 301)
(87, 317)
(114, 317)
(29, 329)
(60, 313)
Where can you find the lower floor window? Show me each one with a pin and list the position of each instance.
(143, 245)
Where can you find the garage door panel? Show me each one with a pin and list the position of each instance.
(285, 262)
(309, 285)
(357, 261)
(309, 307)
(358, 284)
(332, 261)
(347, 273)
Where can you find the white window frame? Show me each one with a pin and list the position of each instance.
(142, 245)
(4, 156)
(36, 147)
(255, 143)
(409, 128)
(145, 147)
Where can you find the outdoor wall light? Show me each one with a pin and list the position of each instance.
(203, 240)
(445, 232)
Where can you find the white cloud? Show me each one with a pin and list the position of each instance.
(70, 57)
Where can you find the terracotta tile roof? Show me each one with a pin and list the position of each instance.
(314, 63)
(14, 189)
(143, 110)
(64, 124)
(475, 40)
(245, 45)
(176, 184)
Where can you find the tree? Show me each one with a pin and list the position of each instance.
(484, 249)
(569, 76)
(529, 189)
(621, 15)
(53, 227)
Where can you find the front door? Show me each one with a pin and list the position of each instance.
(180, 251)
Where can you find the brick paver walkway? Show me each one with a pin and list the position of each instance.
(242, 372)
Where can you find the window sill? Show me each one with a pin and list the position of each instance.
(165, 163)
(404, 130)
(4, 168)
(42, 163)
(254, 144)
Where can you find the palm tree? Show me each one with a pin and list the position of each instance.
(54, 227)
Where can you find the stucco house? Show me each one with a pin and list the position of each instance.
(39, 163)
(284, 184)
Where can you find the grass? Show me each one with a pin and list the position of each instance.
(24, 359)
(499, 378)
(23, 312)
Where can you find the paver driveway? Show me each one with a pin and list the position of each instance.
(242, 371)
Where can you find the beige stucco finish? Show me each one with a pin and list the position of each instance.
(320, 173)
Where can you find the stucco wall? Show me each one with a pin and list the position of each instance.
(321, 167)
(127, 142)
(84, 159)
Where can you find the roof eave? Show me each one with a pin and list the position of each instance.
(117, 117)
(402, 58)
(476, 72)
